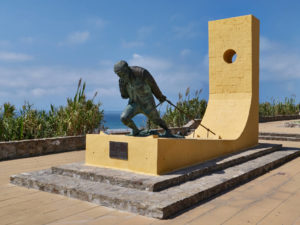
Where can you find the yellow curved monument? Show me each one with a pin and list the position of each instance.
(232, 111)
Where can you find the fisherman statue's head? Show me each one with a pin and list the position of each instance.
(122, 69)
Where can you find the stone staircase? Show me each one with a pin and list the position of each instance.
(157, 196)
(279, 136)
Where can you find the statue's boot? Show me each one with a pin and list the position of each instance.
(129, 123)
(163, 125)
(135, 132)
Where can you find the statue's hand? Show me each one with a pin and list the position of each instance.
(122, 82)
(122, 86)
(162, 98)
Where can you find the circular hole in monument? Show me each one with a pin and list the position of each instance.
(229, 56)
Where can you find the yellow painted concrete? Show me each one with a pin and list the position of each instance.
(232, 111)
(142, 152)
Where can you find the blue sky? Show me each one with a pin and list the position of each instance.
(46, 46)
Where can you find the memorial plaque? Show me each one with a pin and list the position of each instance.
(118, 150)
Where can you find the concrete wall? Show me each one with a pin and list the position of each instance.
(36, 147)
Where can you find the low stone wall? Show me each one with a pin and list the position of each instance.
(263, 119)
(36, 147)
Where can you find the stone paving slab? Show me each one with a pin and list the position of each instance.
(158, 183)
(278, 127)
(161, 204)
(279, 136)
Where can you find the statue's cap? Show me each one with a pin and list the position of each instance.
(121, 65)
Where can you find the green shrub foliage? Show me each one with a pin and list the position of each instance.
(80, 116)
(275, 108)
(191, 104)
(195, 107)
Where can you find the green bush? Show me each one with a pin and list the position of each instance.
(191, 105)
(195, 107)
(80, 116)
(275, 108)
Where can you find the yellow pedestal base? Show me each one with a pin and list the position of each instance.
(156, 156)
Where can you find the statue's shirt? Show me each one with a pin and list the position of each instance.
(140, 87)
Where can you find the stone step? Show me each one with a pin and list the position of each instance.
(158, 183)
(161, 204)
(279, 138)
(279, 134)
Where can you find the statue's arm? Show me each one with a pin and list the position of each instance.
(122, 86)
(154, 87)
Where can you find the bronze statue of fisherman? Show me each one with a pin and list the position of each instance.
(137, 84)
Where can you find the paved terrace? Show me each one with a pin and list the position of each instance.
(273, 198)
(278, 127)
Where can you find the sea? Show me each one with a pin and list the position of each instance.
(112, 120)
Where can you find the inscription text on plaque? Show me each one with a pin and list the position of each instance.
(118, 150)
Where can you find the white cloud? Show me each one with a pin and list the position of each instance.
(132, 44)
(4, 43)
(106, 63)
(105, 92)
(38, 92)
(97, 22)
(189, 31)
(27, 40)
(172, 77)
(141, 34)
(291, 87)
(52, 85)
(100, 23)
(206, 60)
(79, 37)
(185, 52)
(144, 32)
(281, 66)
(278, 62)
(14, 57)
(76, 38)
(176, 17)
(150, 62)
(43, 86)
(267, 45)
